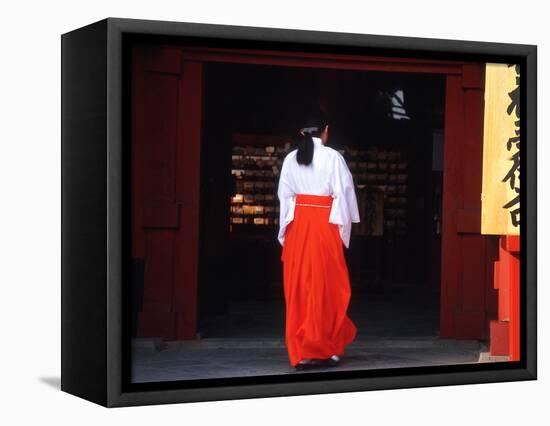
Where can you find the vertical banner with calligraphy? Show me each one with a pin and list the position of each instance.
(501, 136)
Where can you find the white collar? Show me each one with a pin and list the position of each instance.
(317, 140)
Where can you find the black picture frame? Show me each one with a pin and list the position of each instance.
(95, 232)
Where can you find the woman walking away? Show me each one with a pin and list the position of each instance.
(317, 207)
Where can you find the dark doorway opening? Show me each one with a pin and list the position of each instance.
(253, 111)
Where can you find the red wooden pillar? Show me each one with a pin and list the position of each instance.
(166, 126)
(466, 302)
(505, 330)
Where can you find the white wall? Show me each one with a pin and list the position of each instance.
(30, 210)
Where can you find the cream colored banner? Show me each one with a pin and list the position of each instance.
(500, 190)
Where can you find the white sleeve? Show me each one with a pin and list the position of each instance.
(344, 206)
(287, 200)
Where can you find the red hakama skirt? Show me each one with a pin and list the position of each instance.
(316, 283)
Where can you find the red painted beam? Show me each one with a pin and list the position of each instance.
(323, 60)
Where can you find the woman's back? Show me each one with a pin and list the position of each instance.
(327, 174)
(314, 178)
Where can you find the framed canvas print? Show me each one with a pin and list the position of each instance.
(253, 212)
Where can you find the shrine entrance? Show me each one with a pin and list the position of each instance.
(195, 239)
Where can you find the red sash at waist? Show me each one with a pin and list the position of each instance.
(313, 200)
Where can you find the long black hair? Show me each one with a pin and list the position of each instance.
(313, 127)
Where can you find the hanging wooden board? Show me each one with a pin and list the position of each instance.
(500, 187)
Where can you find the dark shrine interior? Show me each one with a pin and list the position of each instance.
(240, 273)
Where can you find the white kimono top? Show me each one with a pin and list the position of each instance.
(328, 174)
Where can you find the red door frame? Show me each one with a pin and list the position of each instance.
(166, 112)
(468, 300)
